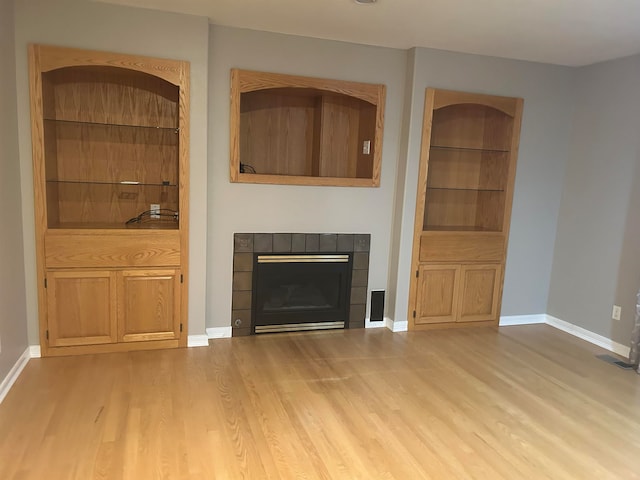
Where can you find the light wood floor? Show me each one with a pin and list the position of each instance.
(526, 402)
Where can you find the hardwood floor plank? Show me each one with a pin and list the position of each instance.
(525, 402)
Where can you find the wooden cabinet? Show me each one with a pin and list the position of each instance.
(448, 293)
(107, 307)
(437, 297)
(463, 209)
(81, 307)
(289, 129)
(110, 135)
(149, 305)
(480, 290)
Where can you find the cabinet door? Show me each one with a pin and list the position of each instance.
(81, 307)
(480, 292)
(437, 300)
(148, 305)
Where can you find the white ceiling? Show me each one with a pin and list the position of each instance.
(564, 32)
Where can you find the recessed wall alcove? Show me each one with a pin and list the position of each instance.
(246, 246)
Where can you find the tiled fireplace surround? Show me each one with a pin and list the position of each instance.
(245, 245)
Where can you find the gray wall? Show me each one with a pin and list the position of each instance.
(281, 208)
(83, 24)
(546, 90)
(13, 314)
(595, 261)
(409, 122)
(591, 269)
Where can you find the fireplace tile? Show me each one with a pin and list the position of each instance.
(358, 295)
(345, 242)
(243, 242)
(241, 332)
(241, 300)
(359, 278)
(242, 281)
(312, 242)
(328, 242)
(242, 262)
(357, 314)
(263, 242)
(297, 242)
(241, 319)
(282, 242)
(361, 243)
(360, 261)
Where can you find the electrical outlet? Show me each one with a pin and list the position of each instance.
(615, 314)
(155, 210)
(366, 147)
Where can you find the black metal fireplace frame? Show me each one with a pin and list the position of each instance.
(339, 263)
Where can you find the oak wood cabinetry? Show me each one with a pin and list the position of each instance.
(110, 139)
(288, 129)
(463, 210)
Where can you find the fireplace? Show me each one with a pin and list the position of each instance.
(348, 306)
(293, 292)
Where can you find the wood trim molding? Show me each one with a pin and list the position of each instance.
(250, 81)
(421, 194)
(52, 57)
(506, 105)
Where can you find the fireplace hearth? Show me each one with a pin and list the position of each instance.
(299, 281)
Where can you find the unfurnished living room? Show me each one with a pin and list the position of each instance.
(377, 239)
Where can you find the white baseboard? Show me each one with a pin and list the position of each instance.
(14, 373)
(396, 325)
(34, 351)
(369, 324)
(588, 336)
(219, 332)
(197, 341)
(522, 320)
(567, 327)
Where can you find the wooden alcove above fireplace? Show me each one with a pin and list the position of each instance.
(248, 246)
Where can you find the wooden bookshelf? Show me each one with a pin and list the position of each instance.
(110, 135)
(465, 189)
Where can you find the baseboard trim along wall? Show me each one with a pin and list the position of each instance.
(522, 320)
(197, 341)
(396, 325)
(212, 333)
(378, 324)
(589, 336)
(570, 328)
(14, 373)
(219, 332)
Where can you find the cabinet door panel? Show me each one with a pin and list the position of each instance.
(480, 292)
(149, 305)
(81, 308)
(437, 300)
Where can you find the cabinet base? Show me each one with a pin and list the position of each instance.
(109, 348)
(442, 326)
